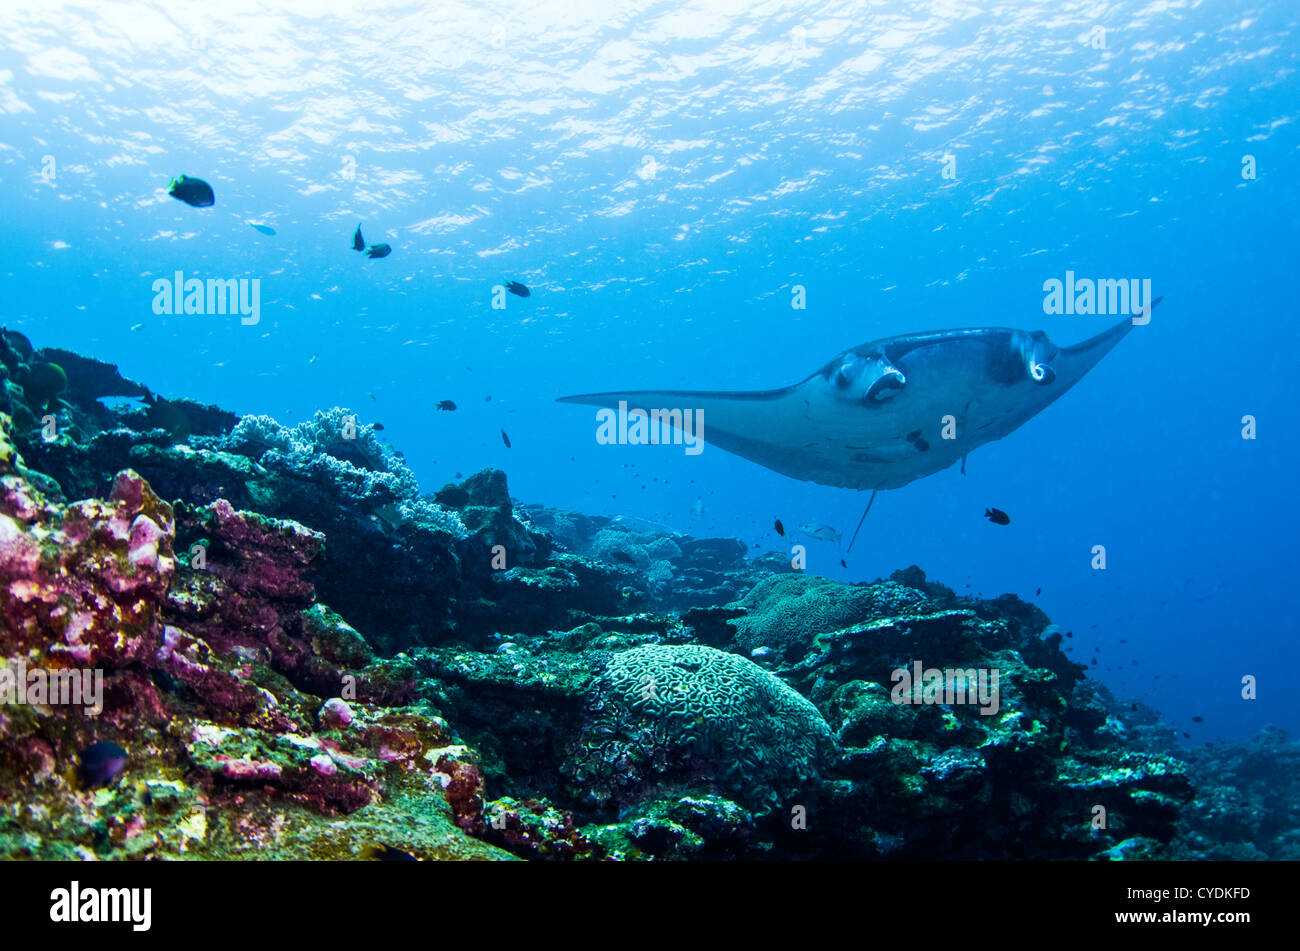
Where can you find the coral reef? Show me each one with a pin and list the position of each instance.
(304, 656)
(225, 756)
(786, 612)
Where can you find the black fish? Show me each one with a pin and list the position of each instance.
(18, 343)
(378, 427)
(1198, 719)
(514, 287)
(192, 191)
(505, 439)
(446, 404)
(1038, 592)
(780, 529)
(997, 516)
(358, 242)
(378, 251)
(452, 495)
(386, 853)
(842, 565)
(100, 762)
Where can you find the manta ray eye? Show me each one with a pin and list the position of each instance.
(848, 371)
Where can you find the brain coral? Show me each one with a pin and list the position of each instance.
(785, 612)
(692, 715)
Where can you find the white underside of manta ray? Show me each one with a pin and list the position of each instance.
(875, 416)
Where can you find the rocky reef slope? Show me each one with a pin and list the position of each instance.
(304, 656)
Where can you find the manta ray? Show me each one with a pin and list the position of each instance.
(892, 411)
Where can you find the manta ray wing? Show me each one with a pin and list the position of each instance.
(763, 426)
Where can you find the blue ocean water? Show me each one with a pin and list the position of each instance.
(664, 176)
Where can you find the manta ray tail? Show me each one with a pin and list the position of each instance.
(860, 521)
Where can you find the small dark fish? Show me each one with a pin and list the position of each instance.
(1038, 592)
(378, 427)
(997, 516)
(193, 191)
(1069, 633)
(452, 495)
(1198, 719)
(42, 382)
(505, 439)
(514, 287)
(780, 529)
(378, 251)
(100, 762)
(264, 229)
(1186, 735)
(358, 242)
(446, 404)
(487, 399)
(386, 853)
(842, 565)
(18, 343)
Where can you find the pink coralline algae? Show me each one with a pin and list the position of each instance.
(464, 789)
(248, 769)
(217, 669)
(272, 554)
(335, 714)
(81, 584)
